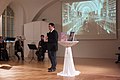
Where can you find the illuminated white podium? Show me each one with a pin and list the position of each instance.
(68, 68)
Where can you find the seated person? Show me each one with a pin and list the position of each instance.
(19, 47)
(1, 47)
(42, 46)
(3, 51)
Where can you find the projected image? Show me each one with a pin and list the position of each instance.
(91, 19)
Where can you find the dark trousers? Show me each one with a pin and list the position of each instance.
(40, 54)
(22, 54)
(4, 55)
(52, 57)
(118, 57)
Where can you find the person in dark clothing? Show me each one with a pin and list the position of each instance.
(5, 56)
(19, 48)
(1, 46)
(3, 51)
(41, 49)
(52, 46)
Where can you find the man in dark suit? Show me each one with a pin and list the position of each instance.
(19, 48)
(52, 46)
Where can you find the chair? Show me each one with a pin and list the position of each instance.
(118, 56)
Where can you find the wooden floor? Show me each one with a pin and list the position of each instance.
(91, 69)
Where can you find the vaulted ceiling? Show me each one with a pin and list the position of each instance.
(40, 4)
(3, 4)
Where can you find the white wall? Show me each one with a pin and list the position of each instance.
(53, 14)
(25, 11)
(3, 5)
(31, 7)
(0, 25)
(19, 18)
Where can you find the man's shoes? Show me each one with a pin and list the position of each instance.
(51, 70)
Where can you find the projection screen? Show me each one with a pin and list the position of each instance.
(90, 19)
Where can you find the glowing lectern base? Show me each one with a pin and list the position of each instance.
(68, 68)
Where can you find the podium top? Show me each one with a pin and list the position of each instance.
(10, 39)
(68, 43)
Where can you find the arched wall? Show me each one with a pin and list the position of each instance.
(19, 18)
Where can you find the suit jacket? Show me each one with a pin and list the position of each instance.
(52, 40)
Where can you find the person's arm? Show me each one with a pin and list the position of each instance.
(22, 44)
(39, 44)
(15, 45)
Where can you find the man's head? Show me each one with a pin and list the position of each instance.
(42, 36)
(19, 38)
(51, 26)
